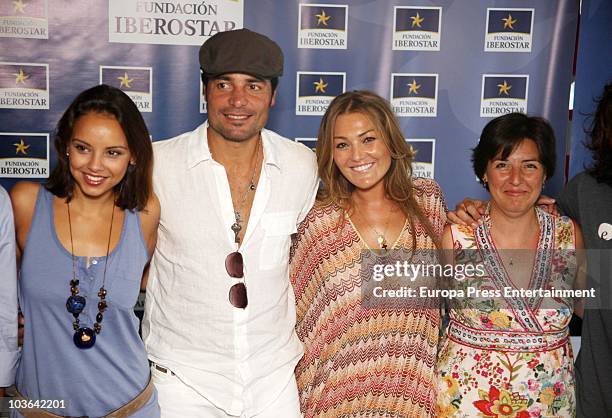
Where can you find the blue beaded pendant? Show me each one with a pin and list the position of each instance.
(75, 304)
(84, 338)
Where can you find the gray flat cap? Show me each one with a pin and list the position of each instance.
(241, 51)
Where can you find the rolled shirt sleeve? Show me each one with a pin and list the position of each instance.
(9, 352)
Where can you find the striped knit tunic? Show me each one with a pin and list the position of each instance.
(361, 361)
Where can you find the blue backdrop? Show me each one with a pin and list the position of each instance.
(447, 66)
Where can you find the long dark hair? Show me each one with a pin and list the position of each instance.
(134, 190)
(600, 142)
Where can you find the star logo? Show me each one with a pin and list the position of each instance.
(21, 147)
(504, 88)
(125, 80)
(417, 20)
(508, 22)
(19, 6)
(322, 18)
(20, 77)
(320, 86)
(413, 87)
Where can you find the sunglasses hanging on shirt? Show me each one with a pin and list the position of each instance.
(234, 265)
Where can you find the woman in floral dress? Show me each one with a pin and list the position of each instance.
(504, 353)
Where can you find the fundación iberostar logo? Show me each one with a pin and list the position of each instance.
(136, 82)
(24, 155)
(416, 28)
(414, 94)
(24, 85)
(323, 26)
(315, 91)
(424, 160)
(24, 19)
(176, 22)
(509, 30)
(309, 142)
(503, 93)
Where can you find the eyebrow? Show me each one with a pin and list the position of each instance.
(360, 135)
(89, 145)
(522, 161)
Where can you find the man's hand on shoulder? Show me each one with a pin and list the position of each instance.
(548, 204)
(468, 212)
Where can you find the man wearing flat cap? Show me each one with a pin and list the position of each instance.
(219, 316)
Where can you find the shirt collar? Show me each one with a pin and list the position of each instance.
(270, 149)
(200, 151)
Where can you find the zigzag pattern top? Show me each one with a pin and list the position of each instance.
(361, 361)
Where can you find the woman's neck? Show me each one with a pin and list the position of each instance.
(513, 232)
(91, 206)
(370, 198)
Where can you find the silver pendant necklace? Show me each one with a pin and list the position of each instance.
(250, 187)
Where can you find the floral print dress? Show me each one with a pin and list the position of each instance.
(505, 356)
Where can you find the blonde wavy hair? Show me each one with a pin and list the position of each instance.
(336, 189)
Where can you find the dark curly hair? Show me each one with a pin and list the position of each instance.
(600, 138)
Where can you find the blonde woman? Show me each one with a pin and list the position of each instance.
(360, 359)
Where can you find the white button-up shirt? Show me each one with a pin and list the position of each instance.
(238, 359)
(9, 353)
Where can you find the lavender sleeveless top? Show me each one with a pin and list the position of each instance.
(98, 380)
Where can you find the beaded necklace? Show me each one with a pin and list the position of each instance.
(85, 337)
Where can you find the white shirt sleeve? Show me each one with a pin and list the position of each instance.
(312, 187)
(9, 352)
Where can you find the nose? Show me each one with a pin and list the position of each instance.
(95, 162)
(238, 97)
(516, 176)
(357, 152)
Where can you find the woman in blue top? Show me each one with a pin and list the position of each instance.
(84, 240)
